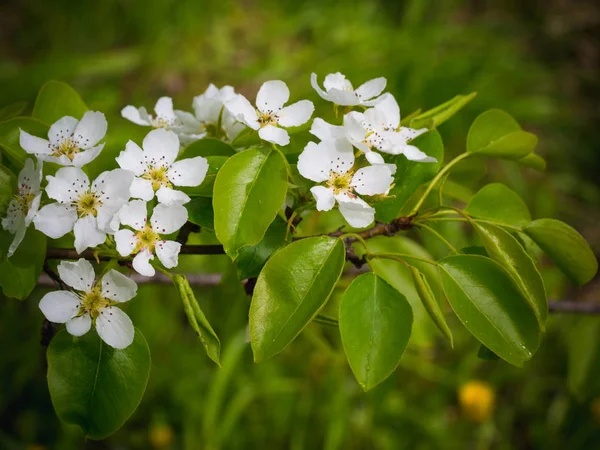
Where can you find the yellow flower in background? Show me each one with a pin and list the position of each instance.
(476, 400)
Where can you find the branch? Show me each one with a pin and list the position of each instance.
(380, 229)
(569, 306)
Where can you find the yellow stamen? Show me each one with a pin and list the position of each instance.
(93, 302)
(147, 239)
(88, 203)
(158, 177)
(68, 148)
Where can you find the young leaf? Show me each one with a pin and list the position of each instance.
(431, 305)
(252, 258)
(55, 100)
(490, 305)
(533, 161)
(496, 133)
(438, 115)
(410, 175)
(503, 248)
(500, 204)
(249, 190)
(209, 339)
(208, 147)
(566, 247)
(375, 324)
(10, 134)
(291, 289)
(93, 385)
(19, 273)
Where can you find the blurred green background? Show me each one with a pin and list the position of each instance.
(537, 60)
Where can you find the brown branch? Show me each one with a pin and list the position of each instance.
(185, 231)
(569, 306)
(380, 229)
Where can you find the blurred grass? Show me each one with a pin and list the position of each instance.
(536, 60)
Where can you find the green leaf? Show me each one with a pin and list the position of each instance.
(375, 324)
(490, 305)
(9, 137)
(19, 273)
(209, 339)
(291, 289)
(249, 190)
(438, 115)
(206, 187)
(486, 354)
(431, 305)
(200, 212)
(583, 339)
(93, 385)
(496, 133)
(503, 248)
(498, 203)
(208, 147)
(8, 184)
(410, 175)
(533, 161)
(55, 100)
(12, 110)
(566, 247)
(252, 258)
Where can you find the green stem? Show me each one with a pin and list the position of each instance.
(324, 320)
(357, 237)
(439, 236)
(287, 164)
(400, 257)
(437, 178)
(462, 219)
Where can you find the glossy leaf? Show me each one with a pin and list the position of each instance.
(491, 306)
(438, 115)
(93, 385)
(19, 273)
(55, 100)
(566, 247)
(500, 204)
(249, 190)
(9, 137)
(410, 175)
(291, 289)
(375, 324)
(208, 147)
(209, 339)
(503, 248)
(496, 133)
(252, 258)
(200, 212)
(431, 304)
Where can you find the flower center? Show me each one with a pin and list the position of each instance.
(68, 148)
(147, 239)
(162, 122)
(93, 302)
(88, 203)
(340, 183)
(267, 118)
(23, 200)
(158, 176)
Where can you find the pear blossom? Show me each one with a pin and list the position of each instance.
(332, 163)
(165, 115)
(86, 209)
(25, 204)
(270, 115)
(71, 142)
(339, 90)
(145, 240)
(92, 303)
(157, 172)
(378, 128)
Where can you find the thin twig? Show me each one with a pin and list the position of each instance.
(569, 306)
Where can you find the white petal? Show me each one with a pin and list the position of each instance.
(87, 233)
(33, 144)
(126, 242)
(132, 158)
(19, 235)
(62, 129)
(372, 180)
(115, 327)
(167, 219)
(388, 106)
(61, 160)
(242, 110)
(134, 214)
(189, 124)
(79, 274)
(169, 196)
(354, 129)
(316, 87)
(168, 252)
(55, 220)
(78, 326)
(272, 95)
(356, 212)
(33, 209)
(318, 160)
(82, 158)
(412, 153)
(371, 88)
(188, 172)
(207, 106)
(337, 81)
(343, 97)
(135, 115)
(113, 188)
(374, 157)
(30, 176)
(141, 263)
(164, 108)
(407, 134)
(118, 287)
(141, 188)
(67, 184)
(274, 135)
(324, 197)
(296, 114)
(325, 131)
(60, 306)
(90, 129)
(161, 147)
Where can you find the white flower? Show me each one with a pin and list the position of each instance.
(379, 129)
(87, 210)
(93, 303)
(165, 115)
(146, 240)
(70, 142)
(25, 204)
(339, 90)
(269, 114)
(156, 171)
(331, 162)
(209, 107)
